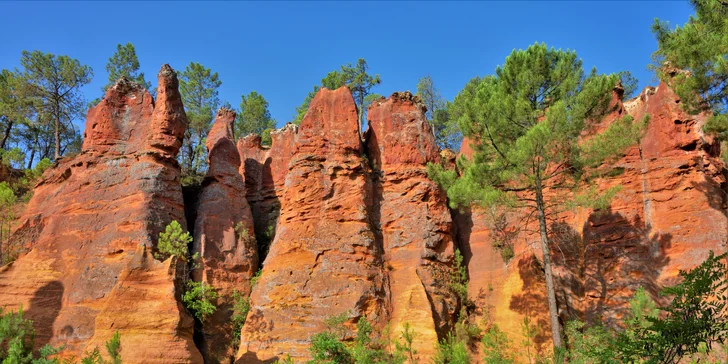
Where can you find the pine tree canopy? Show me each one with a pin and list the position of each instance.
(701, 48)
(526, 122)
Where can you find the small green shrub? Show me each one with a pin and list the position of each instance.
(198, 298)
(496, 346)
(241, 307)
(173, 241)
(451, 351)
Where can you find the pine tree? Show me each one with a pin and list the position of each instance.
(700, 47)
(56, 81)
(526, 122)
(199, 89)
(254, 116)
(444, 128)
(356, 78)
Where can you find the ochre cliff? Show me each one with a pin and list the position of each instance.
(90, 229)
(224, 236)
(669, 213)
(341, 224)
(324, 260)
(412, 219)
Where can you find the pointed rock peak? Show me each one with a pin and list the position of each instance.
(222, 128)
(331, 120)
(167, 71)
(225, 113)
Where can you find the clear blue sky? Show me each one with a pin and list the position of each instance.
(281, 49)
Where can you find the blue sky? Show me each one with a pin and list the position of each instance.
(281, 49)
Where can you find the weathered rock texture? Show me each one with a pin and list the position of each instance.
(265, 169)
(85, 275)
(411, 215)
(324, 260)
(668, 215)
(224, 236)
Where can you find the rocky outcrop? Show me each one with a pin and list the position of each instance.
(264, 170)
(85, 274)
(324, 260)
(412, 218)
(669, 213)
(224, 237)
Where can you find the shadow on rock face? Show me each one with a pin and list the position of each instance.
(44, 308)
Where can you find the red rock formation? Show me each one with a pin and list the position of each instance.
(85, 275)
(415, 222)
(324, 260)
(669, 213)
(224, 236)
(265, 169)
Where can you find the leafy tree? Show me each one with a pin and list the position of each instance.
(198, 86)
(629, 83)
(526, 122)
(16, 103)
(700, 47)
(254, 116)
(695, 320)
(360, 83)
(123, 63)
(355, 77)
(56, 81)
(588, 345)
(327, 349)
(444, 129)
(198, 298)
(173, 241)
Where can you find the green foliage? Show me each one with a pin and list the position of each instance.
(496, 346)
(326, 348)
(198, 298)
(459, 278)
(285, 360)
(405, 346)
(198, 87)
(700, 47)
(525, 123)
(356, 77)
(113, 348)
(17, 338)
(264, 239)
(253, 116)
(56, 81)
(241, 307)
(451, 351)
(694, 321)
(173, 241)
(124, 63)
(256, 278)
(444, 128)
(529, 331)
(629, 84)
(590, 345)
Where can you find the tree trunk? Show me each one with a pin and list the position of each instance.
(548, 271)
(7, 134)
(57, 133)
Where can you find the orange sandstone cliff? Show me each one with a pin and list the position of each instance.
(342, 223)
(92, 225)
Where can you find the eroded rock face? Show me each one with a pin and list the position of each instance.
(264, 170)
(85, 275)
(224, 236)
(414, 221)
(324, 260)
(667, 216)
